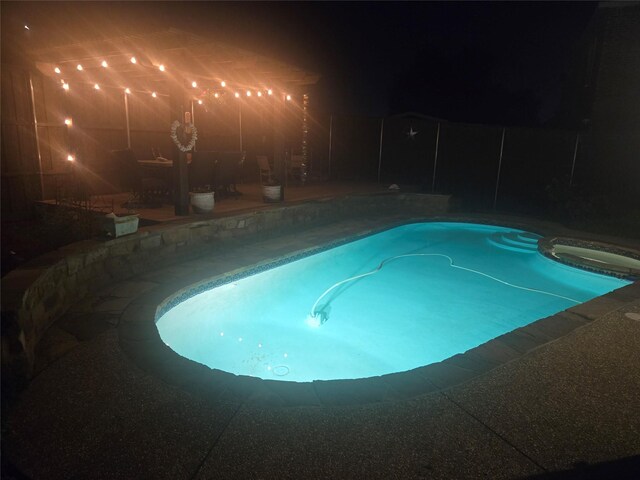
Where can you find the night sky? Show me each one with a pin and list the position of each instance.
(484, 62)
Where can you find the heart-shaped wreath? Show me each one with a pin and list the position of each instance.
(174, 136)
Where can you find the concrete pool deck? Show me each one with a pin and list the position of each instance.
(94, 410)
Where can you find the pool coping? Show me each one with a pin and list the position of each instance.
(140, 339)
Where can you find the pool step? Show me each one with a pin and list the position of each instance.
(515, 241)
(529, 237)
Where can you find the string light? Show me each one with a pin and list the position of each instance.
(70, 158)
(162, 68)
(68, 121)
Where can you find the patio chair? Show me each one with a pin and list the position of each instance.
(228, 167)
(264, 169)
(202, 170)
(297, 169)
(146, 188)
(157, 155)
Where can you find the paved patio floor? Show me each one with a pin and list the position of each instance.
(569, 408)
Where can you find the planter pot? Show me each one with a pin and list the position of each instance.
(202, 202)
(118, 226)
(272, 193)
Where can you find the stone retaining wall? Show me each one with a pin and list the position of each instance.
(37, 294)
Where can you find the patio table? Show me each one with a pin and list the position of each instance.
(160, 169)
(156, 163)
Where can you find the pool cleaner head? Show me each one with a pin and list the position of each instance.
(315, 319)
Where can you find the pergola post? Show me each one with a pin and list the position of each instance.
(36, 136)
(180, 169)
(126, 117)
(279, 142)
(240, 123)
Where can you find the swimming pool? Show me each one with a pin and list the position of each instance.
(442, 289)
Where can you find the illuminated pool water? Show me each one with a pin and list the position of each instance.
(443, 289)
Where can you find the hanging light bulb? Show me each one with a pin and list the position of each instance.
(65, 85)
(199, 102)
(223, 83)
(79, 67)
(288, 98)
(154, 94)
(269, 92)
(104, 64)
(217, 95)
(57, 70)
(134, 60)
(26, 27)
(248, 93)
(127, 91)
(237, 95)
(70, 158)
(96, 86)
(259, 94)
(194, 84)
(68, 121)
(161, 68)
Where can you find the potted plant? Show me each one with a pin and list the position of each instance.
(272, 190)
(115, 226)
(202, 199)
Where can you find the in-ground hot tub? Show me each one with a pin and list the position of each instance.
(622, 262)
(389, 302)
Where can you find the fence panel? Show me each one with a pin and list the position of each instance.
(408, 150)
(355, 148)
(535, 162)
(319, 126)
(468, 163)
(20, 169)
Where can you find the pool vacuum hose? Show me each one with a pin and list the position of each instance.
(319, 317)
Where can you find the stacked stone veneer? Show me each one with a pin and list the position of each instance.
(38, 293)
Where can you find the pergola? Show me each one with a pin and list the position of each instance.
(181, 70)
